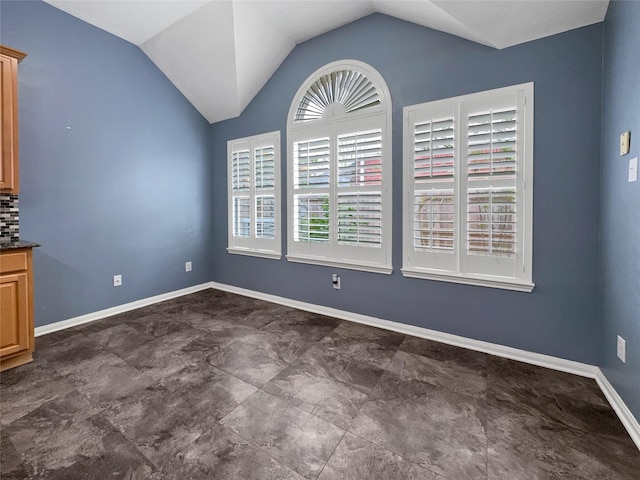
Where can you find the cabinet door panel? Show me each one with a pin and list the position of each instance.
(14, 320)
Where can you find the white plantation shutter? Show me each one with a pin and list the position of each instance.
(470, 160)
(241, 181)
(340, 170)
(265, 203)
(349, 88)
(254, 166)
(359, 180)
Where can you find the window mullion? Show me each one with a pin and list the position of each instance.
(461, 129)
(333, 190)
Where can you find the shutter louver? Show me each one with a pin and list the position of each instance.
(433, 220)
(241, 216)
(492, 143)
(433, 150)
(265, 216)
(265, 167)
(491, 221)
(360, 159)
(241, 188)
(360, 219)
(311, 217)
(241, 175)
(311, 163)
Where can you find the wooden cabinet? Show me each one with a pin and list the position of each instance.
(16, 308)
(9, 169)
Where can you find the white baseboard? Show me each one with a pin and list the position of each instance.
(590, 371)
(108, 312)
(624, 414)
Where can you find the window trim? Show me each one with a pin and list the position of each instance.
(255, 247)
(524, 183)
(380, 115)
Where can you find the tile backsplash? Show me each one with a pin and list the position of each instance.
(9, 225)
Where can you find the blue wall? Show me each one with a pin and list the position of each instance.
(560, 317)
(620, 203)
(126, 188)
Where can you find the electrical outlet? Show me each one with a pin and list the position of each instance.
(187, 266)
(117, 280)
(622, 349)
(336, 281)
(625, 143)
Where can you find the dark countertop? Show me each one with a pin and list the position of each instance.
(18, 244)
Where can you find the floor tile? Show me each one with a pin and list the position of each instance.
(121, 339)
(55, 447)
(25, 388)
(358, 459)
(569, 400)
(257, 357)
(11, 466)
(166, 417)
(106, 378)
(221, 454)
(470, 380)
(317, 391)
(293, 437)
(527, 446)
(339, 349)
(67, 354)
(307, 327)
(440, 429)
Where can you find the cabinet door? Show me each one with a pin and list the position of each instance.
(14, 314)
(9, 136)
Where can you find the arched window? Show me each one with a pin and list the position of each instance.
(339, 169)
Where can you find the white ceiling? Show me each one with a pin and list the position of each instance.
(219, 54)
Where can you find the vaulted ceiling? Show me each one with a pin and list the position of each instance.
(220, 53)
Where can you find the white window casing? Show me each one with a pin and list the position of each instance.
(339, 169)
(254, 195)
(468, 182)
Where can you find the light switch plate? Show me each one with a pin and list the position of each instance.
(625, 143)
(633, 169)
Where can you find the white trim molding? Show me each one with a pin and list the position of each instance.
(624, 414)
(125, 307)
(568, 366)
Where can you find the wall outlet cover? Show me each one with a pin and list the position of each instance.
(625, 143)
(622, 349)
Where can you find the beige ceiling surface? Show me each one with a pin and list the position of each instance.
(219, 54)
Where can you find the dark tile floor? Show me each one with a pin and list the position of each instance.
(218, 386)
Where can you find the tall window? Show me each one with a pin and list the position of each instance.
(254, 206)
(468, 168)
(339, 169)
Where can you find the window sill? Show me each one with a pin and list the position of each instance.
(255, 253)
(480, 281)
(364, 267)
